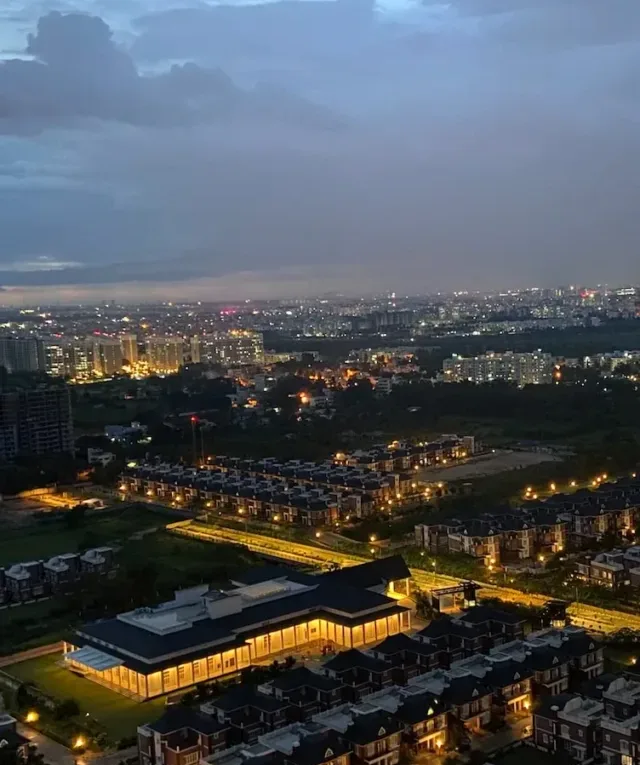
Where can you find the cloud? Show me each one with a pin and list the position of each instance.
(78, 71)
(490, 143)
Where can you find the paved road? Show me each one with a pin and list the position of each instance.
(591, 617)
(32, 653)
(56, 754)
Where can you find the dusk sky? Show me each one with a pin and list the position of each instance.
(304, 147)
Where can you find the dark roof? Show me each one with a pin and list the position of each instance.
(595, 687)
(317, 748)
(446, 626)
(178, 717)
(247, 696)
(302, 677)
(464, 689)
(395, 644)
(265, 573)
(352, 659)
(371, 727)
(546, 657)
(483, 614)
(419, 707)
(506, 673)
(549, 706)
(371, 574)
(346, 601)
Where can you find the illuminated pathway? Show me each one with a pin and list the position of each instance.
(582, 615)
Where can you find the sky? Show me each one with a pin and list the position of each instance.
(178, 149)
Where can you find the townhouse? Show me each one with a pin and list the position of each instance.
(30, 580)
(537, 528)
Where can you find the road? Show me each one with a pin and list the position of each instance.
(582, 615)
(31, 653)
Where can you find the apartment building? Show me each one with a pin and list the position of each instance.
(35, 422)
(520, 368)
(164, 354)
(235, 347)
(22, 354)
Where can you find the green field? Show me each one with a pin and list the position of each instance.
(119, 715)
(45, 539)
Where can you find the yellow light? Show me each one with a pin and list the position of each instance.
(390, 502)
(413, 485)
(178, 499)
(527, 704)
(32, 716)
(552, 486)
(240, 511)
(79, 742)
(594, 482)
(573, 483)
(209, 504)
(633, 660)
(372, 551)
(149, 493)
(440, 485)
(416, 467)
(541, 558)
(318, 534)
(372, 538)
(529, 489)
(123, 487)
(398, 496)
(535, 496)
(604, 476)
(276, 518)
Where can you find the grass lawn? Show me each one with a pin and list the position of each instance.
(44, 540)
(119, 715)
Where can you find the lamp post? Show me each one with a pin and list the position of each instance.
(194, 422)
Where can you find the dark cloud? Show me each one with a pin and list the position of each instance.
(489, 143)
(78, 71)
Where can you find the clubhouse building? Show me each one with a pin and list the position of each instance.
(271, 612)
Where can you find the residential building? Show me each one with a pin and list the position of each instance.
(164, 354)
(129, 348)
(204, 634)
(236, 347)
(182, 736)
(520, 368)
(35, 421)
(22, 354)
(107, 356)
(568, 724)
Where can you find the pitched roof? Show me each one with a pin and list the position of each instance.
(371, 574)
(371, 727)
(353, 658)
(178, 717)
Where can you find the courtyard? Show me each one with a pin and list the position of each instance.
(119, 715)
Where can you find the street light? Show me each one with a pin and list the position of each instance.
(372, 538)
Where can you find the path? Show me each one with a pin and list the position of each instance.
(31, 653)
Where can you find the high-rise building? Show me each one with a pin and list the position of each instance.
(21, 354)
(129, 345)
(231, 348)
(69, 357)
(521, 368)
(107, 356)
(164, 354)
(35, 422)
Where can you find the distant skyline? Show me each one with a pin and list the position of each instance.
(475, 144)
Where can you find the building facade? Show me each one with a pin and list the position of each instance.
(520, 368)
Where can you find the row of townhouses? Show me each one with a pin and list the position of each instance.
(614, 569)
(600, 722)
(39, 578)
(271, 498)
(362, 706)
(562, 522)
(382, 483)
(407, 455)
